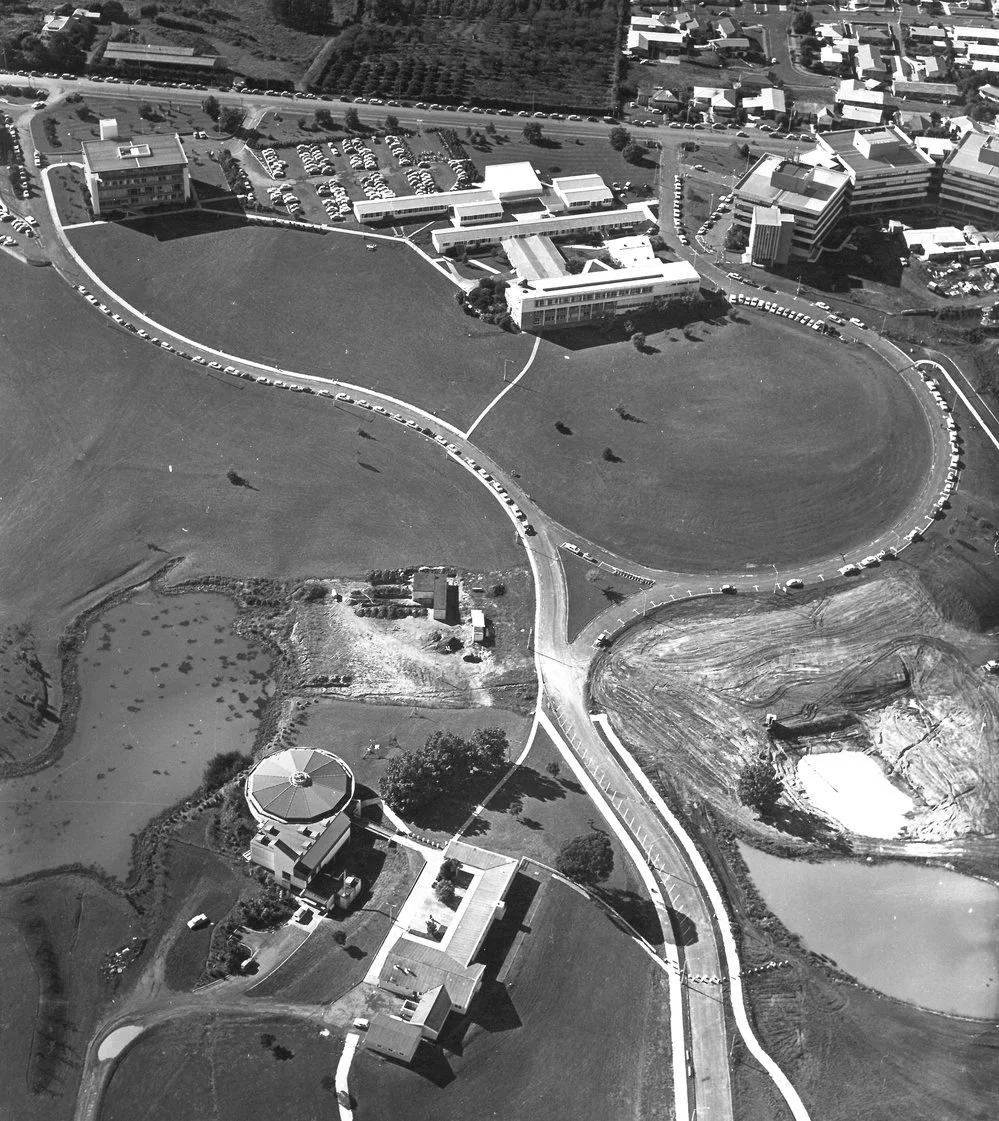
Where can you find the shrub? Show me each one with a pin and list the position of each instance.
(587, 859)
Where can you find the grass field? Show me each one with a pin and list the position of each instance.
(227, 1067)
(540, 1043)
(384, 320)
(114, 457)
(751, 443)
(54, 936)
(591, 590)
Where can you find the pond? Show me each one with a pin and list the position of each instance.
(165, 684)
(927, 936)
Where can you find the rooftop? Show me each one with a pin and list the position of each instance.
(507, 179)
(790, 185)
(869, 150)
(139, 152)
(651, 271)
(159, 54)
(977, 154)
(301, 784)
(534, 257)
(417, 967)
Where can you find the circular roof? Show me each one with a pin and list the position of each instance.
(299, 785)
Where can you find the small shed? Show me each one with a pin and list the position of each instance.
(480, 626)
(445, 601)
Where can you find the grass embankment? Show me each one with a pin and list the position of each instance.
(384, 320)
(536, 1039)
(56, 936)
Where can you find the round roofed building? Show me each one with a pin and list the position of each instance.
(299, 786)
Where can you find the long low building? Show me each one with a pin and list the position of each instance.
(569, 301)
(599, 221)
(405, 207)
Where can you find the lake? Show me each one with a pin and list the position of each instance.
(927, 936)
(165, 684)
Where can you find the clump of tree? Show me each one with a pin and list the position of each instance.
(312, 16)
(487, 300)
(533, 132)
(587, 859)
(229, 119)
(211, 106)
(223, 768)
(445, 763)
(619, 138)
(760, 786)
(634, 153)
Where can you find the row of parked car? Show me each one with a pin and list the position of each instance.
(723, 207)
(336, 201)
(314, 160)
(400, 149)
(954, 463)
(783, 312)
(421, 181)
(678, 210)
(286, 197)
(359, 155)
(374, 186)
(24, 226)
(19, 173)
(276, 166)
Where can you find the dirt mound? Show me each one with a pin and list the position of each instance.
(874, 666)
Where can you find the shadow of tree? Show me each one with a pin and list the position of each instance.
(636, 910)
(684, 927)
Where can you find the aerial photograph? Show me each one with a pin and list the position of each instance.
(499, 560)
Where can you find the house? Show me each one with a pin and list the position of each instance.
(869, 63)
(152, 60)
(832, 58)
(989, 93)
(399, 1035)
(664, 99)
(54, 26)
(728, 28)
(932, 69)
(771, 103)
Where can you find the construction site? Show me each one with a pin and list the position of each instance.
(875, 669)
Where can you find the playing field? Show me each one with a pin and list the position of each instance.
(742, 443)
(321, 305)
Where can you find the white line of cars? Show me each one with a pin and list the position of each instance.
(314, 160)
(783, 312)
(276, 167)
(678, 209)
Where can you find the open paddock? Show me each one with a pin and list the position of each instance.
(241, 1067)
(749, 442)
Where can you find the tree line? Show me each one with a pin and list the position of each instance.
(445, 764)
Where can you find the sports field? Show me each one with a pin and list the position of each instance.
(317, 304)
(113, 457)
(742, 443)
(540, 1043)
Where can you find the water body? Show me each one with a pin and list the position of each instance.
(164, 686)
(926, 936)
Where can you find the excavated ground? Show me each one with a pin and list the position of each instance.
(874, 666)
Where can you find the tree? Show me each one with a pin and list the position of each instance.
(352, 120)
(391, 122)
(634, 153)
(554, 769)
(638, 342)
(223, 767)
(760, 786)
(533, 133)
(229, 118)
(587, 859)
(444, 891)
(609, 456)
(324, 119)
(211, 106)
(619, 138)
(488, 749)
(802, 23)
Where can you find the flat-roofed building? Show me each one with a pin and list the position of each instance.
(477, 213)
(407, 207)
(771, 234)
(926, 91)
(887, 171)
(582, 192)
(132, 175)
(970, 184)
(926, 40)
(975, 35)
(856, 93)
(153, 59)
(552, 303)
(593, 221)
(512, 181)
(813, 196)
